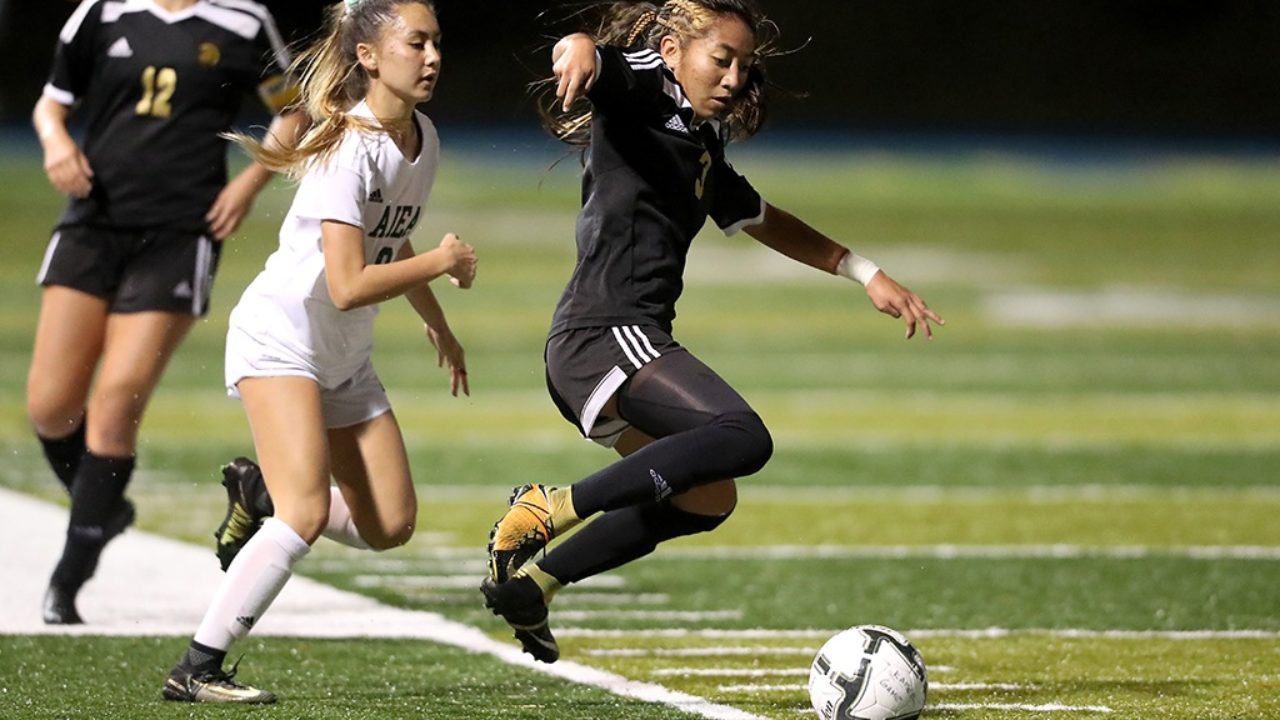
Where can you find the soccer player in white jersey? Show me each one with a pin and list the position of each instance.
(299, 342)
(130, 265)
(669, 86)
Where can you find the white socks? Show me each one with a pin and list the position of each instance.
(252, 582)
(341, 528)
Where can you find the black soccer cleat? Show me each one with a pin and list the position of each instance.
(59, 607)
(211, 686)
(519, 602)
(248, 504)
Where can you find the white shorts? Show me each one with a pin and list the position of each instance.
(345, 400)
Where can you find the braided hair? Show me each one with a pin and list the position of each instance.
(644, 24)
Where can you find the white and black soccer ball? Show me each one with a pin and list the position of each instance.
(868, 672)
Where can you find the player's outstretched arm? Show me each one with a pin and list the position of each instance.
(791, 236)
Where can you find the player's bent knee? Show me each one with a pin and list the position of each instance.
(309, 519)
(54, 419)
(753, 445)
(679, 523)
(389, 538)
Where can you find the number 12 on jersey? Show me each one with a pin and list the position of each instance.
(158, 85)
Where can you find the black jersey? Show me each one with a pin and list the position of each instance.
(156, 88)
(652, 177)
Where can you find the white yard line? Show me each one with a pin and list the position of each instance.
(732, 672)
(469, 582)
(801, 687)
(775, 672)
(949, 552)
(148, 585)
(720, 651)
(975, 634)
(690, 616)
(1128, 307)
(1021, 707)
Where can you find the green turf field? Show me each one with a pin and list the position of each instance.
(1070, 496)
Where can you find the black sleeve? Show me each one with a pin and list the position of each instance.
(627, 79)
(73, 56)
(273, 83)
(734, 203)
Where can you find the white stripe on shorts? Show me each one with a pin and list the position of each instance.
(48, 258)
(636, 345)
(200, 278)
(626, 348)
(645, 339)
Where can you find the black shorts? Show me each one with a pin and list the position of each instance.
(586, 366)
(134, 270)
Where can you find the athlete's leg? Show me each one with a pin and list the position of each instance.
(372, 471)
(287, 421)
(706, 433)
(620, 536)
(68, 344)
(136, 349)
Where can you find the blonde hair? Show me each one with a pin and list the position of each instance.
(643, 24)
(331, 82)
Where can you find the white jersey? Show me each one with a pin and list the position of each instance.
(286, 312)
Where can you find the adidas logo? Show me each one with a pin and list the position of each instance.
(120, 49)
(183, 290)
(376, 195)
(661, 490)
(247, 621)
(675, 123)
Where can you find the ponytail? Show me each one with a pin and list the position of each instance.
(331, 82)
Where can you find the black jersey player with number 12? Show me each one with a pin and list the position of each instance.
(668, 87)
(128, 269)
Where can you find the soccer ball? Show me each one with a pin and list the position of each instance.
(868, 672)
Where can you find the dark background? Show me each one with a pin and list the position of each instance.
(1168, 69)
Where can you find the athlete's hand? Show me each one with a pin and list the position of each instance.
(67, 167)
(462, 271)
(449, 353)
(573, 61)
(893, 299)
(231, 207)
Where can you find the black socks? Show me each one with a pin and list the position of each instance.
(732, 445)
(620, 536)
(64, 454)
(97, 496)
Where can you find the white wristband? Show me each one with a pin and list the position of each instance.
(857, 268)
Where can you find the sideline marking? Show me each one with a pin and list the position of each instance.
(801, 687)
(178, 580)
(974, 634)
(950, 552)
(1049, 707)
(462, 582)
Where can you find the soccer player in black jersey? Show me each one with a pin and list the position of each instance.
(669, 85)
(129, 266)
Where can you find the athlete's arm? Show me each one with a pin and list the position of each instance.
(449, 352)
(791, 236)
(573, 61)
(787, 234)
(236, 199)
(64, 163)
(352, 283)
